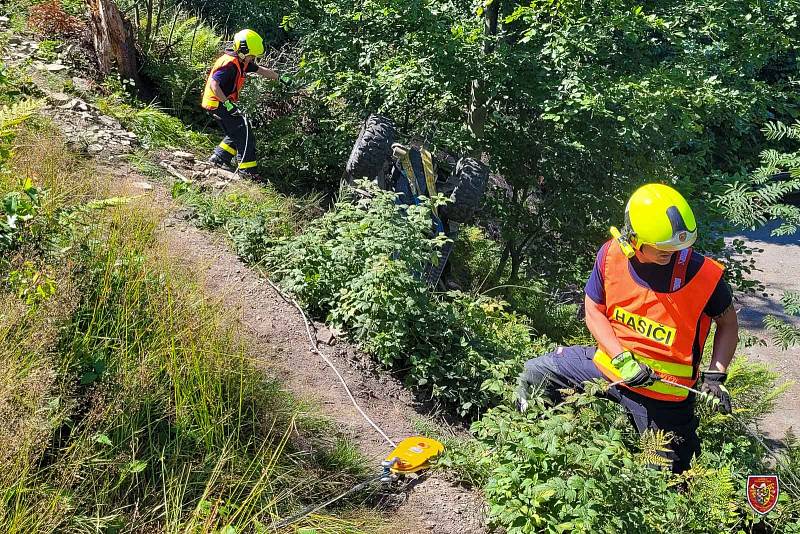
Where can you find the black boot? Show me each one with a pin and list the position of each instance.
(219, 162)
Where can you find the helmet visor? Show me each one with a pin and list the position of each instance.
(680, 240)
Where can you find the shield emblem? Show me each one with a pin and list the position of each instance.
(762, 492)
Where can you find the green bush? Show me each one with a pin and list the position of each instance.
(581, 467)
(302, 143)
(360, 266)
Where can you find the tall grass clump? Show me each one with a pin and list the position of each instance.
(178, 50)
(129, 401)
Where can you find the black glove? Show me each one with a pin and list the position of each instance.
(634, 373)
(232, 108)
(713, 391)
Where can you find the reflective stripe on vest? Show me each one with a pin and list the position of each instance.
(658, 328)
(210, 100)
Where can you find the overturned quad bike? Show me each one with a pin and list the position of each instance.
(411, 172)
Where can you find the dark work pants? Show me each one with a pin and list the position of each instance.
(238, 141)
(569, 367)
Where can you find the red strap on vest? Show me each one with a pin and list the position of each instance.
(679, 269)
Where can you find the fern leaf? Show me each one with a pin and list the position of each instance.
(654, 444)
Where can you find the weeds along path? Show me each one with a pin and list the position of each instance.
(279, 340)
(276, 332)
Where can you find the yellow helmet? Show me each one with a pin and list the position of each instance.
(659, 216)
(249, 43)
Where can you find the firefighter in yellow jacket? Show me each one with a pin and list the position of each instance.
(650, 302)
(221, 94)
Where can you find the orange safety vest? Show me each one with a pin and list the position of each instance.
(658, 328)
(210, 100)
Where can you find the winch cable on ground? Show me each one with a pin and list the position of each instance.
(307, 511)
(315, 349)
(411, 456)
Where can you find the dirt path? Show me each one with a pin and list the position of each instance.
(780, 272)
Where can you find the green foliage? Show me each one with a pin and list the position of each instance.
(579, 467)
(475, 257)
(48, 49)
(18, 207)
(763, 196)
(252, 217)
(11, 117)
(178, 55)
(155, 128)
(30, 284)
(263, 16)
(575, 104)
(14, 87)
(359, 266)
(786, 334)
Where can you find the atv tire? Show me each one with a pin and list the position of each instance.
(469, 185)
(372, 149)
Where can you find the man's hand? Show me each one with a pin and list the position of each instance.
(269, 74)
(521, 404)
(634, 374)
(232, 108)
(714, 392)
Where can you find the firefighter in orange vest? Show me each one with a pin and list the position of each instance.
(650, 302)
(221, 94)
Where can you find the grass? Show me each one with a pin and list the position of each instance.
(130, 402)
(251, 216)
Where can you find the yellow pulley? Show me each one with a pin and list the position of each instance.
(413, 454)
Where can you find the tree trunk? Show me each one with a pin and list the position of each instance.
(113, 40)
(501, 266)
(148, 26)
(476, 116)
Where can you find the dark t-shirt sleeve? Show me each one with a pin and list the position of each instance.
(225, 75)
(251, 67)
(594, 285)
(720, 300)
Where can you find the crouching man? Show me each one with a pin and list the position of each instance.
(650, 301)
